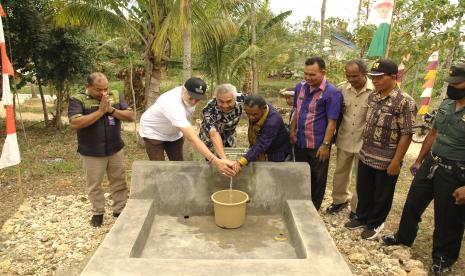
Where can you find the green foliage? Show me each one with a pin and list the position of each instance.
(69, 56)
(229, 60)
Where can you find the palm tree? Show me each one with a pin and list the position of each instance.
(159, 25)
(230, 61)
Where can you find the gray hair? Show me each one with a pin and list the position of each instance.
(225, 88)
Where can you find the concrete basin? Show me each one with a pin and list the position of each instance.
(168, 228)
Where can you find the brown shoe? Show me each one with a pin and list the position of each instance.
(355, 224)
(372, 233)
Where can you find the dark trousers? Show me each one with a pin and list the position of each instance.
(318, 173)
(375, 191)
(449, 218)
(156, 149)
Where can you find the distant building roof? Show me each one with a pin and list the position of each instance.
(344, 40)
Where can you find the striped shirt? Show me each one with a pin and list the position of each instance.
(313, 109)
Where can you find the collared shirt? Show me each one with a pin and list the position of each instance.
(163, 120)
(388, 118)
(313, 109)
(223, 122)
(450, 135)
(272, 139)
(103, 137)
(354, 116)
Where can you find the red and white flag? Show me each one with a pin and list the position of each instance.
(10, 153)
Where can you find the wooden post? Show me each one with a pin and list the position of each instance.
(391, 27)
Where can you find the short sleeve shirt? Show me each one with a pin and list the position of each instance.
(450, 132)
(354, 116)
(164, 118)
(224, 123)
(103, 137)
(388, 118)
(313, 109)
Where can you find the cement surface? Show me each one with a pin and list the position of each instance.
(162, 193)
(199, 238)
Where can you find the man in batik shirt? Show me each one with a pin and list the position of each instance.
(220, 118)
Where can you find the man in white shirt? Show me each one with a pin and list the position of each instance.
(167, 122)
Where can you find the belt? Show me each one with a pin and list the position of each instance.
(443, 162)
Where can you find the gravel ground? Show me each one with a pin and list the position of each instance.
(51, 236)
(49, 232)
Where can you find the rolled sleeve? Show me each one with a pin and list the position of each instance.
(334, 104)
(407, 120)
(75, 109)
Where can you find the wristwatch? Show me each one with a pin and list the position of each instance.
(113, 111)
(326, 144)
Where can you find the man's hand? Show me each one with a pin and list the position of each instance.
(323, 153)
(459, 195)
(393, 168)
(105, 105)
(237, 167)
(415, 167)
(223, 166)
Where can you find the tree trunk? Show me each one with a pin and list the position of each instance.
(253, 25)
(42, 99)
(322, 25)
(415, 78)
(59, 105)
(359, 13)
(187, 43)
(446, 66)
(450, 56)
(58, 123)
(367, 9)
(153, 90)
(33, 91)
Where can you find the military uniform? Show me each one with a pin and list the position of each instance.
(441, 173)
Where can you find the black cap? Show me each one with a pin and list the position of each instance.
(456, 74)
(196, 88)
(383, 67)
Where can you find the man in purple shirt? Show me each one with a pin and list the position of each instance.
(267, 133)
(318, 105)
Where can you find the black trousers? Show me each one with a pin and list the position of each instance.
(375, 191)
(449, 218)
(318, 173)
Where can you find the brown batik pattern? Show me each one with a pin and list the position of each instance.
(388, 119)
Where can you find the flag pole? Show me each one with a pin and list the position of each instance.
(20, 183)
(14, 88)
(391, 27)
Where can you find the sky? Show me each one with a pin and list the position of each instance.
(346, 9)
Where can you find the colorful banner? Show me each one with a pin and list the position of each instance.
(380, 15)
(10, 153)
(429, 83)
